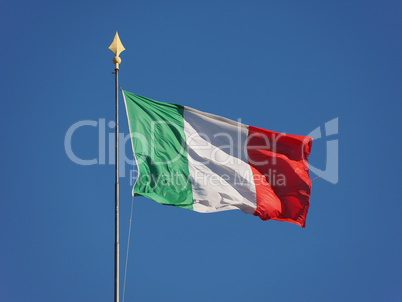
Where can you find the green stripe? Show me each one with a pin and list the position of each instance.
(159, 145)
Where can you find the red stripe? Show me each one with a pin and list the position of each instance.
(280, 169)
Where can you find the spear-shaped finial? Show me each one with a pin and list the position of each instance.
(117, 48)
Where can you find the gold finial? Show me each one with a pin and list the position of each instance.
(117, 48)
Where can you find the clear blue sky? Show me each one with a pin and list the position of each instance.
(288, 66)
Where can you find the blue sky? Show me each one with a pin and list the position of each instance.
(287, 66)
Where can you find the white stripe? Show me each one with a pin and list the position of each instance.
(221, 177)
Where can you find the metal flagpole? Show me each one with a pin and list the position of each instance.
(117, 48)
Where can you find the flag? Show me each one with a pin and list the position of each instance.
(207, 163)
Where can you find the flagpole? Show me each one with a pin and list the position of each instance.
(117, 48)
(116, 195)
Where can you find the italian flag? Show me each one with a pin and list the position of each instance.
(207, 163)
